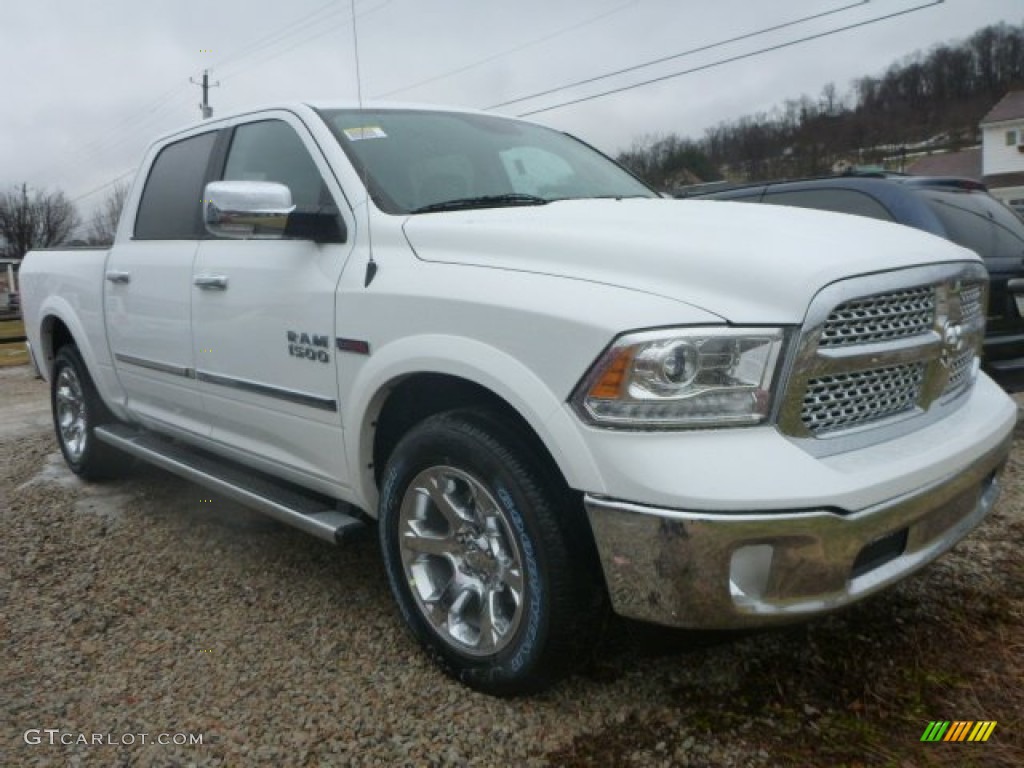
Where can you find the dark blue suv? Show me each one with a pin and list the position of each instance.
(960, 210)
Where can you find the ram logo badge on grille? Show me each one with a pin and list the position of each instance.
(953, 342)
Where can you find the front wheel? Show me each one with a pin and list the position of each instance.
(484, 554)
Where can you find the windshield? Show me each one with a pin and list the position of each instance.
(416, 161)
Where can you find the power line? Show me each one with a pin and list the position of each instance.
(131, 126)
(509, 51)
(100, 188)
(663, 59)
(277, 35)
(731, 59)
(94, 147)
(303, 40)
(106, 143)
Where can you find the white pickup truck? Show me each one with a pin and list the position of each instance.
(552, 391)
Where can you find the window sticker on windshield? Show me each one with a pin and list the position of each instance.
(365, 132)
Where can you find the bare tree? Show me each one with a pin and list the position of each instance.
(36, 220)
(103, 225)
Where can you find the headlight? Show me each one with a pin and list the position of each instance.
(681, 378)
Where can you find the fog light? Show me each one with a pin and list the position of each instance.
(749, 571)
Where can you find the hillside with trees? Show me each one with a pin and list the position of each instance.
(931, 99)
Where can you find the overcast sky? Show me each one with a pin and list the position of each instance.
(88, 85)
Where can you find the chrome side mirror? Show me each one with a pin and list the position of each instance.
(247, 209)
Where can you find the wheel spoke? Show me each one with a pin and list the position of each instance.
(432, 585)
(71, 414)
(484, 512)
(423, 543)
(444, 501)
(461, 620)
(513, 581)
(488, 626)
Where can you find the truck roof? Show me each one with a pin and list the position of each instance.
(304, 107)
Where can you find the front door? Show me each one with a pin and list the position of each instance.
(263, 316)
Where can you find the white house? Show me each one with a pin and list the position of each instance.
(1002, 137)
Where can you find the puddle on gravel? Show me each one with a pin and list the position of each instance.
(23, 418)
(106, 501)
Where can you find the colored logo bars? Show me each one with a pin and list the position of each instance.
(958, 730)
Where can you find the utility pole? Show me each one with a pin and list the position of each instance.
(205, 107)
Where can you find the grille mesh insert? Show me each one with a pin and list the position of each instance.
(959, 372)
(884, 317)
(971, 302)
(845, 400)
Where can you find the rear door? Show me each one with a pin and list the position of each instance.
(263, 316)
(148, 291)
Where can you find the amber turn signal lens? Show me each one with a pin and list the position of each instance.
(609, 385)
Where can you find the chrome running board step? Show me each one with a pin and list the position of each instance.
(309, 512)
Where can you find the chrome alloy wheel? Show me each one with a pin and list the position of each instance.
(461, 560)
(71, 413)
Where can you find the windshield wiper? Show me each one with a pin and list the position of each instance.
(484, 201)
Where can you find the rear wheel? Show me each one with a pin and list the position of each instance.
(77, 411)
(484, 554)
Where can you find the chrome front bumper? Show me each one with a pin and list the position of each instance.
(728, 571)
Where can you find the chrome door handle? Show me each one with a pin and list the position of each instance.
(117, 276)
(211, 282)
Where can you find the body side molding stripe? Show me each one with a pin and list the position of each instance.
(312, 401)
(153, 365)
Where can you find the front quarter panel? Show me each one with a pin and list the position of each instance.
(527, 338)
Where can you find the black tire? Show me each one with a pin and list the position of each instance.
(517, 558)
(77, 411)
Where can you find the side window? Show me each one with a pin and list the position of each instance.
(837, 200)
(980, 223)
(738, 197)
(270, 150)
(170, 208)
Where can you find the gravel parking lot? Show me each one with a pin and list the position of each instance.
(149, 606)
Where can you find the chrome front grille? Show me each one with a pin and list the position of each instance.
(878, 351)
(886, 316)
(972, 302)
(959, 372)
(846, 400)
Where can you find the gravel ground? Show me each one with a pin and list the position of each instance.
(150, 606)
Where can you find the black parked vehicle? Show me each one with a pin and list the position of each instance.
(960, 210)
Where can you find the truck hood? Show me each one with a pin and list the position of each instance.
(745, 263)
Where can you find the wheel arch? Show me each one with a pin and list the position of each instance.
(398, 390)
(56, 330)
(60, 324)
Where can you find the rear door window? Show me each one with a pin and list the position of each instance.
(171, 204)
(837, 200)
(979, 222)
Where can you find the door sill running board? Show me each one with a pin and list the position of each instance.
(288, 504)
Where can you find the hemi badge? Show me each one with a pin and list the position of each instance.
(354, 345)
